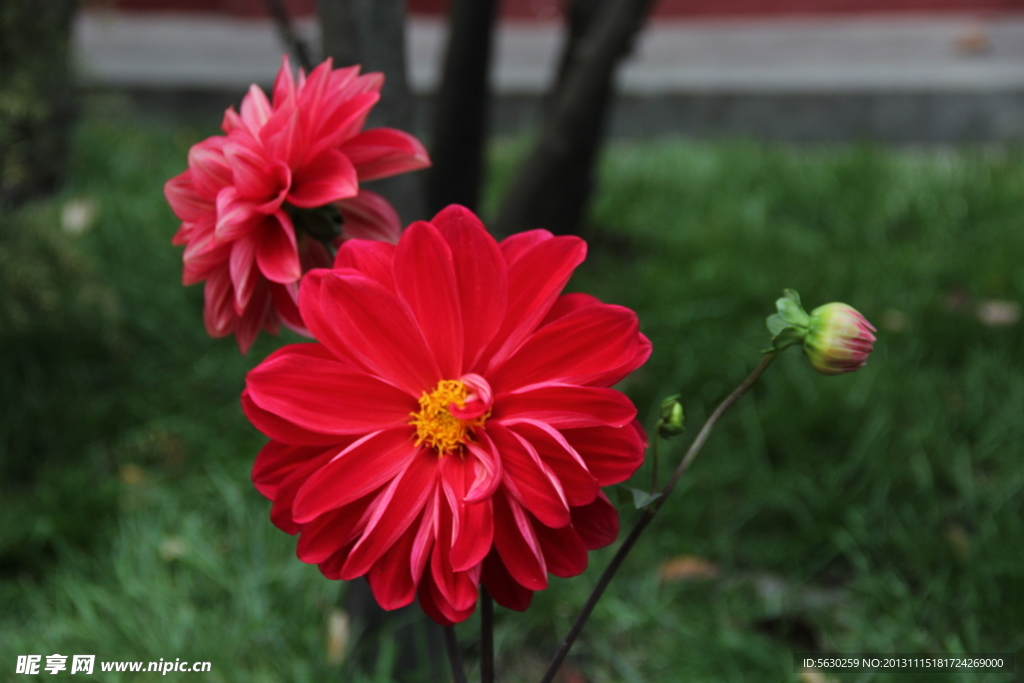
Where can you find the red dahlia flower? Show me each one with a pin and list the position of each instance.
(453, 425)
(258, 202)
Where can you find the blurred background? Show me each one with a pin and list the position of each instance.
(855, 150)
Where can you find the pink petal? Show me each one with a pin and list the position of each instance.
(236, 216)
(219, 312)
(326, 178)
(565, 406)
(209, 168)
(368, 216)
(258, 314)
(284, 84)
(354, 315)
(373, 461)
(344, 116)
(244, 275)
(256, 109)
(278, 253)
(255, 176)
(384, 152)
(425, 279)
(324, 396)
(185, 201)
(481, 275)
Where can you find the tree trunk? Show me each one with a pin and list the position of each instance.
(556, 176)
(36, 103)
(461, 107)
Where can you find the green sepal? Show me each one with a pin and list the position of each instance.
(642, 499)
(673, 419)
(789, 326)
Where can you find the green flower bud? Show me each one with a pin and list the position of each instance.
(672, 418)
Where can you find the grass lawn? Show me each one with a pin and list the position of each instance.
(881, 511)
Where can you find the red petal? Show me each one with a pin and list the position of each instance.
(284, 84)
(384, 152)
(281, 430)
(278, 254)
(284, 496)
(371, 258)
(365, 466)
(236, 217)
(472, 523)
(575, 348)
(396, 510)
(324, 396)
(457, 588)
(256, 109)
(528, 479)
(326, 178)
(564, 552)
(425, 279)
(391, 578)
(579, 485)
(330, 532)
(597, 523)
(481, 275)
(534, 282)
(513, 247)
(612, 454)
(276, 461)
(517, 544)
(435, 605)
(565, 406)
(505, 590)
(371, 324)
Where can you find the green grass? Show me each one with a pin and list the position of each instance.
(877, 512)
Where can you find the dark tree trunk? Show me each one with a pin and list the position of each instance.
(552, 186)
(36, 104)
(372, 33)
(461, 107)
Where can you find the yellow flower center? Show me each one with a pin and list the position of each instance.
(435, 424)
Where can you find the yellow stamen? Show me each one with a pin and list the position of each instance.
(435, 424)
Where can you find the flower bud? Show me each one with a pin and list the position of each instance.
(839, 339)
(671, 422)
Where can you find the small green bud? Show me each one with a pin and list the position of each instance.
(672, 420)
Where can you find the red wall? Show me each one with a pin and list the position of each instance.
(542, 9)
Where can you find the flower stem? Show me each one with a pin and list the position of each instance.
(648, 515)
(486, 637)
(451, 645)
(655, 456)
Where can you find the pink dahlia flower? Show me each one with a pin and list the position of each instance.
(258, 204)
(453, 426)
